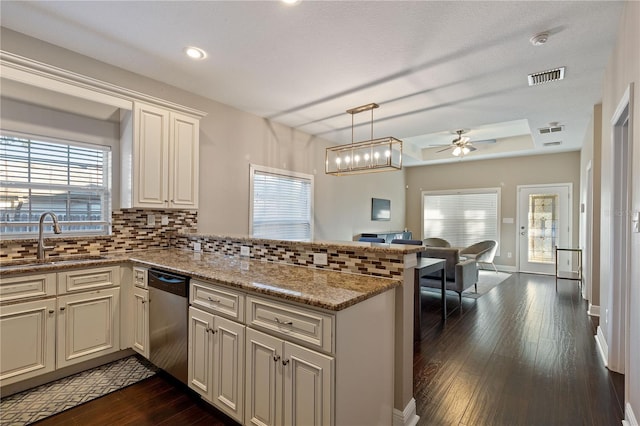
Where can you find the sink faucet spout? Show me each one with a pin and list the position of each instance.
(56, 230)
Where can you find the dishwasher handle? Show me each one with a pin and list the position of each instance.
(166, 281)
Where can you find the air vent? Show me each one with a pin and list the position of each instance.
(550, 129)
(556, 143)
(546, 76)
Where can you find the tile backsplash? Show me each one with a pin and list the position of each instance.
(130, 232)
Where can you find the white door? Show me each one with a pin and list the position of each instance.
(307, 386)
(544, 222)
(88, 325)
(263, 402)
(141, 321)
(184, 142)
(151, 161)
(228, 367)
(27, 340)
(200, 352)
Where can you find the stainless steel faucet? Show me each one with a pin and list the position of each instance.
(56, 230)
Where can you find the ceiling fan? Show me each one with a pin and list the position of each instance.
(462, 145)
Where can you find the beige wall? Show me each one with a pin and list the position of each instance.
(590, 162)
(505, 173)
(623, 69)
(231, 140)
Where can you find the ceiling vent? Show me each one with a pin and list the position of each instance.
(551, 129)
(546, 76)
(556, 143)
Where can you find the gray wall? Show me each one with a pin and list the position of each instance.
(505, 173)
(230, 140)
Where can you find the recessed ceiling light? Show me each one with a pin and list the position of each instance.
(291, 2)
(195, 52)
(539, 39)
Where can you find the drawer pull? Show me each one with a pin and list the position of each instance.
(51, 311)
(210, 299)
(283, 322)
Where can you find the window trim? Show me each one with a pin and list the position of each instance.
(253, 168)
(495, 190)
(106, 207)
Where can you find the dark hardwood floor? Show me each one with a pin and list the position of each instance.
(521, 354)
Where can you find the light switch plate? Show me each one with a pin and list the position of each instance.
(245, 251)
(320, 259)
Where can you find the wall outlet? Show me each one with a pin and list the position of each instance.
(151, 220)
(245, 251)
(164, 219)
(320, 259)
(197, 246)
(509, 255)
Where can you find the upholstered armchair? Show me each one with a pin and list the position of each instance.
(436, 242)
(461, 274)
(482, 252)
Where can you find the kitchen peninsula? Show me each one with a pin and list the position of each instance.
(346, 320)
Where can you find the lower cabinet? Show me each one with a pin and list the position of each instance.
(286, 383)
(216, 361)
(27, 340)
(140, 331)
(88, 325)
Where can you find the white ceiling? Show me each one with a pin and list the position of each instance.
(433, 67)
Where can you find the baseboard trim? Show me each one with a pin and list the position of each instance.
(504, 268)
(593, 311)
(406, 417)
(630, 418)
(603, 347)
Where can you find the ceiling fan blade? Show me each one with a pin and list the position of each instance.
(442, 150)
(485, 141)
(471, 148)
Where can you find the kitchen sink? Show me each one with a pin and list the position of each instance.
(64, 260)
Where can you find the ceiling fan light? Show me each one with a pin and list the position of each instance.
(465, 150)
(457, 151)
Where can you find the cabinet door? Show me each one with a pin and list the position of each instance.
(151, 158)
(183, 160)
(88, 325)
(27, 340)
(228, 367)
(140, 342)
(308, 386)
(201, 352)
(263, 401)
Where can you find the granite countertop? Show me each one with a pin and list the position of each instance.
(329, 290)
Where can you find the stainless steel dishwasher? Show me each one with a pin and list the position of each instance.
(168, 322)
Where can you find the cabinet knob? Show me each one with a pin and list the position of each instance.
(144, 301)
(276, 358)
(62, 308)
(51, 311)
(285, 362)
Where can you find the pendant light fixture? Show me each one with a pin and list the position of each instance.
(374, 155)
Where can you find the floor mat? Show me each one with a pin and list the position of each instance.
(51, 398)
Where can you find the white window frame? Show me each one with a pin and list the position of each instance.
(497, 191)
(107, 191)
(254, 168)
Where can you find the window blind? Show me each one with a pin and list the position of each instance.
(70, 180)
(462, 217)
(281, 205)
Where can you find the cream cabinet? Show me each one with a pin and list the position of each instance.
(140, 321)
(160, 163)
(216, 361)
(88, 325)
(287, 383)
(27, 340)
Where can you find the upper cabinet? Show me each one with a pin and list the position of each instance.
(160, 163)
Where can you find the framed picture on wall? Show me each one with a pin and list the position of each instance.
(380, 209)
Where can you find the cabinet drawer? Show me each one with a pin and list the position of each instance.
(217, 299)
(88, 279)
(140, 277)
(291, 322)
(27, 287)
